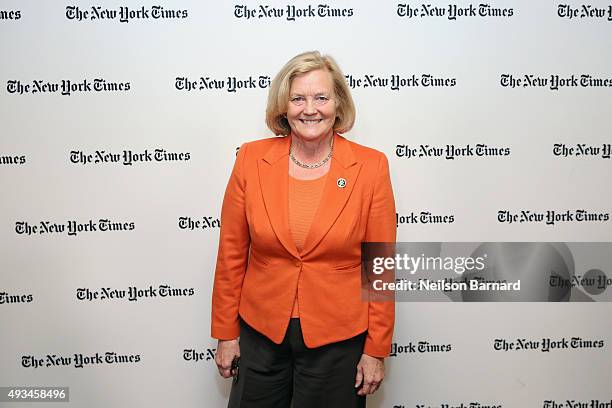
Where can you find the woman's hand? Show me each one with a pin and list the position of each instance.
(370, 373)
(227, 350)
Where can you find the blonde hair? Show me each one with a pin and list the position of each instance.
(278, 97)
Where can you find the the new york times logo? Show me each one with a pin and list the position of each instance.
(451, 151)
(195, 356)
(229, 84)
(124, 14)
(396, 82)
(127, 157)
(290, 12)
(72, 227)
(10, 14)
(66, 87)
(418, 347)
(205, 222)
(12, 159)
(584, 11)
(79, 360)
(594, 403)
(133, 293)
(424, 217)
(594, 281)
(583, 150)
(551, 217)
(554, 82)
(547, 344)
(452, 12)
(7, 298)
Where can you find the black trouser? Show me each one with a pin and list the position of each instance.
(270, 374)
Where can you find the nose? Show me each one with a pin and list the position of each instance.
(309, 107)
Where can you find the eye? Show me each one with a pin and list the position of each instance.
(297, 99)
(321, 99)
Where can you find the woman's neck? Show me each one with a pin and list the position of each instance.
(311, 150)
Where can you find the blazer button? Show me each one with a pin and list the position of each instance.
(298, 264)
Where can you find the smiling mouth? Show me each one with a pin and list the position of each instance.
(310, 121)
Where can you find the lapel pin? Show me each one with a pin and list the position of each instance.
(341, 182)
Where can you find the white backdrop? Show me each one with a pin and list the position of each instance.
(487, 79)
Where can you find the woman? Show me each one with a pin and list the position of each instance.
(288, 275)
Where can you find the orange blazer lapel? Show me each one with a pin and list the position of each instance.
(340, 182)
(274, 179)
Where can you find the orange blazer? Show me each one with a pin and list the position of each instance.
(259, 268)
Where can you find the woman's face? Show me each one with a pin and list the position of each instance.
(311, 111)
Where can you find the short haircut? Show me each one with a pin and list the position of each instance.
(278, 97)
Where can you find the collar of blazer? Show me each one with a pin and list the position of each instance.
(274, 180)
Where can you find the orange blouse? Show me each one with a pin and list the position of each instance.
(304, 198)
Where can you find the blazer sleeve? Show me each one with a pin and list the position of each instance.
(381, 227)
(232, 256)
